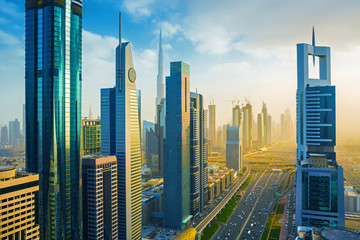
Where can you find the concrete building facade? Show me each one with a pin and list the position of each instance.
(100, 197)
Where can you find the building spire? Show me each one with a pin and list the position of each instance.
(160, 76)
(313, 43)
(119, 57)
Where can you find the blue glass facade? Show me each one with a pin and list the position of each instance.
(53, 47)
(233, 148)
(319, 188)
(198, 154)
(177, 147)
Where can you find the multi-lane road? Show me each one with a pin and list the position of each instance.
(225, 198)
(248, 218)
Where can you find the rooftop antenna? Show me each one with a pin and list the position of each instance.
(120, 40)
(313, 43)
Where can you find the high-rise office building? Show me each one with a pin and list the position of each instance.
(233, 148)
(269, 131)
(90, 137)
(177, 147)
(198, 154)
(160, 132)
(17, 204)
(285, 126)
(24, 121)
(157, 169)
(151, 151)
(237, 116)
(319, 178)
(14, 132)
(264, 127)
(160, 93)
(120, 136)
(212, 126)
(147, 128)
(100, 193)
(53, 60)
(4, 135)
(247, 126)
(261, 130)
(138, 97)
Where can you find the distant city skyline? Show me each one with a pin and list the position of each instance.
(251, 59)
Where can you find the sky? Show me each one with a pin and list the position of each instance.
(236, 49)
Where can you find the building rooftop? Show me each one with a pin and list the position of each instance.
(98, 159)
(351, 194)
(332, 234)
(4, 168)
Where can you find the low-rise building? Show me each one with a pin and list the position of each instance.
(211, 192)
(149, 205)
(17, 204)
(352, 201)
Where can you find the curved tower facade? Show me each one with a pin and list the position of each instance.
(53, 47)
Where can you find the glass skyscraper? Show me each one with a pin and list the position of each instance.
(198, 154)
(120, 136)
(177, 147)
(247, 127)
(233, 148)
(53, 47)
(319, 178)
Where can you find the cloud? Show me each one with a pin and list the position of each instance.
(169, 30)
(98, 68)
(8, 39)
(141, 8)
(147, 59)
(167, 46)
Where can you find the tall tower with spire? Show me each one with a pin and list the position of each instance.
(319, 177)
(160, 76)
(120, 136)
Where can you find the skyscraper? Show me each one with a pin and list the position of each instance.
(198, 154)
(285, 126)
(151, 151)
(212, 126)
(4, 135)
(160, 77)
(177, 147)
(264, 127)
(319, 178)
(233, 148)
(17, 212)
(24, 121)
(261, 130)
(14, 132)
(138, 97)
(120, 136)
(160, 132)
(237, 115)
(53, 45)
(269, 131)
(247, 126)
(100, 204)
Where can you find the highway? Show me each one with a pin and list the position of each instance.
(288, 230)
(251, 208)
(230, 193)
